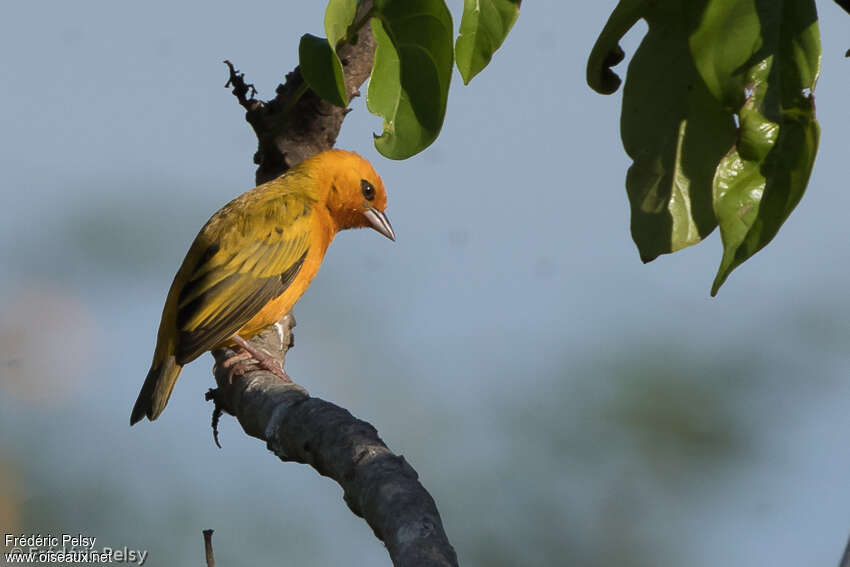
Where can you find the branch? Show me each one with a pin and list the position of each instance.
(845, 558)
(379, 486)
(297, 124)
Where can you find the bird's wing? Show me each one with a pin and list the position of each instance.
(247, 255)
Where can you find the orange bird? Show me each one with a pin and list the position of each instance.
(252, 261)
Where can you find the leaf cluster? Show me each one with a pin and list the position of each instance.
(718, 112)
(718, 117)
(414, 58)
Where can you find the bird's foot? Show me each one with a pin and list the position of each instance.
(260, 360)
(238, 356)
(236, 364)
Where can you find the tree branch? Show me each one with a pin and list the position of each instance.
(297, 124)
(379, 486)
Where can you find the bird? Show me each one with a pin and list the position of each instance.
(252, 261)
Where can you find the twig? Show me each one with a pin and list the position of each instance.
(212, 395)
(208, 548)
(240, 88)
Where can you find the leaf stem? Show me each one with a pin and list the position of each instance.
(357, 25)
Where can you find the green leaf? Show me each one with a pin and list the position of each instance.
(411, 73)
(339, 15)
(729, 36)
(322, 70)
(320, 64)
(675, 131)
(484, 26)
(764, 176)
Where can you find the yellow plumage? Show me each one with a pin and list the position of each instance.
(254, 259)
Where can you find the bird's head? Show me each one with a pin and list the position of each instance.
(353, 192)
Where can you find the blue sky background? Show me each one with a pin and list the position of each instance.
(564, 403)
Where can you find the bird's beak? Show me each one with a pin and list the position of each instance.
(379, 222)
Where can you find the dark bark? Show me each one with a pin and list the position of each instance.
(378, 486)
(287, 136)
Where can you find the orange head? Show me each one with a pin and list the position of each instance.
(352, 191)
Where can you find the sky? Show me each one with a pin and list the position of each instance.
(563, 402)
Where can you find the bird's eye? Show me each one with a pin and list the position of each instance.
(367, 189)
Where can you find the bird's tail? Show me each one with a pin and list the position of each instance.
(156, 390)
